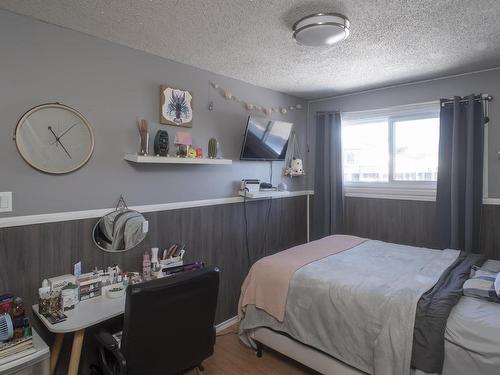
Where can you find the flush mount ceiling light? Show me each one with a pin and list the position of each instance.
(321, 29)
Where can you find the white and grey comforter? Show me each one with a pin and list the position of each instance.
(359, 305)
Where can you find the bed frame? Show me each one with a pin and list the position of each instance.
(301, 353)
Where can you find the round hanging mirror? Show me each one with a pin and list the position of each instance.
(120, 230)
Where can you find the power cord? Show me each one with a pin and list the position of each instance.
(271, 173)
(246, 227)
(266, 225)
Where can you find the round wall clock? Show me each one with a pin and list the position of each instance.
(54, 138)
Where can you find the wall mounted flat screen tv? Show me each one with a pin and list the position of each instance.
(265, 139)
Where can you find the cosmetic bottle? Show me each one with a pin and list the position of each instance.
(154, 258)
(146, 267)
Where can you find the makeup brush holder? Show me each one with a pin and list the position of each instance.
(50, 303)
(173, 261)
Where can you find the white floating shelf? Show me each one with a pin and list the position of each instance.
(134, 158)
(265, 194)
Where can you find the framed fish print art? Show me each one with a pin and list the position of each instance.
(176, 107)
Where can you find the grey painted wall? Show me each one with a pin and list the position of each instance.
(485, 82)
(112, 85)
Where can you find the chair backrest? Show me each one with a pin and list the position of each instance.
(168, 324)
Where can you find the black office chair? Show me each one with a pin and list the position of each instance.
(168, 326)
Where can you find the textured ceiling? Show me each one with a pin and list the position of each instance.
(392, 41)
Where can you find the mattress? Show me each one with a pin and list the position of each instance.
(472, 336)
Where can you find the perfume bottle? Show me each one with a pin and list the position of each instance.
(154, 258)
(146, 267)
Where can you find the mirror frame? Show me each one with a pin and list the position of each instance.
(115, 251)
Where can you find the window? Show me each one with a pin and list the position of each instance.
(365, 152)
(416, 143)
(393, 151)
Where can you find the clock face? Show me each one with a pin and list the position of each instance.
(54, 138)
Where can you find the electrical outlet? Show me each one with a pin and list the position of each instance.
(6, 201)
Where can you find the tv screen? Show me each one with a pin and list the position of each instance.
(265, 139)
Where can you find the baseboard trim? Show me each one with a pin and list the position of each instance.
(16, 221)
(226, 324)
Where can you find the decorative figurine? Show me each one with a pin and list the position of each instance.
(183, 141)
(199, 152)
(182, 151)
(191, 152)
(161, 143)
(293, 163)
(297, 166)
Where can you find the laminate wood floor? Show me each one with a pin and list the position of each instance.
(231, 357)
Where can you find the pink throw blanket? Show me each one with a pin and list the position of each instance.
(266, 285)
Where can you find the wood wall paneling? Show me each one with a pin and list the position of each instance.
(412, 222)
(212, 234)
(391, 220)
(490, 231)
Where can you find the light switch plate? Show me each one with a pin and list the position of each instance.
(6, 201)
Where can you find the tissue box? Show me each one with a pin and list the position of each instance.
(59, 282)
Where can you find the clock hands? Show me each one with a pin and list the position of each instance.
(58, 141)
(55, 136)
(64, 148)
(67, 130)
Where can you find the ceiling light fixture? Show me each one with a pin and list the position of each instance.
(321, 29)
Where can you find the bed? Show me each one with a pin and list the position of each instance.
(345, 305)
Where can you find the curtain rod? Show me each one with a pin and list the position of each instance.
(484, 97)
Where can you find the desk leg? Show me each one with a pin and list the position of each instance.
(56, 350)
(76, 351)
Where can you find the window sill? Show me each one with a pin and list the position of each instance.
(407, 192)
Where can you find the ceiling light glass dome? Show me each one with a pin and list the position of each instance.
(321, 29)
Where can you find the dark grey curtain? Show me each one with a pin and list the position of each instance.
(328, 200)
(460, 174)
